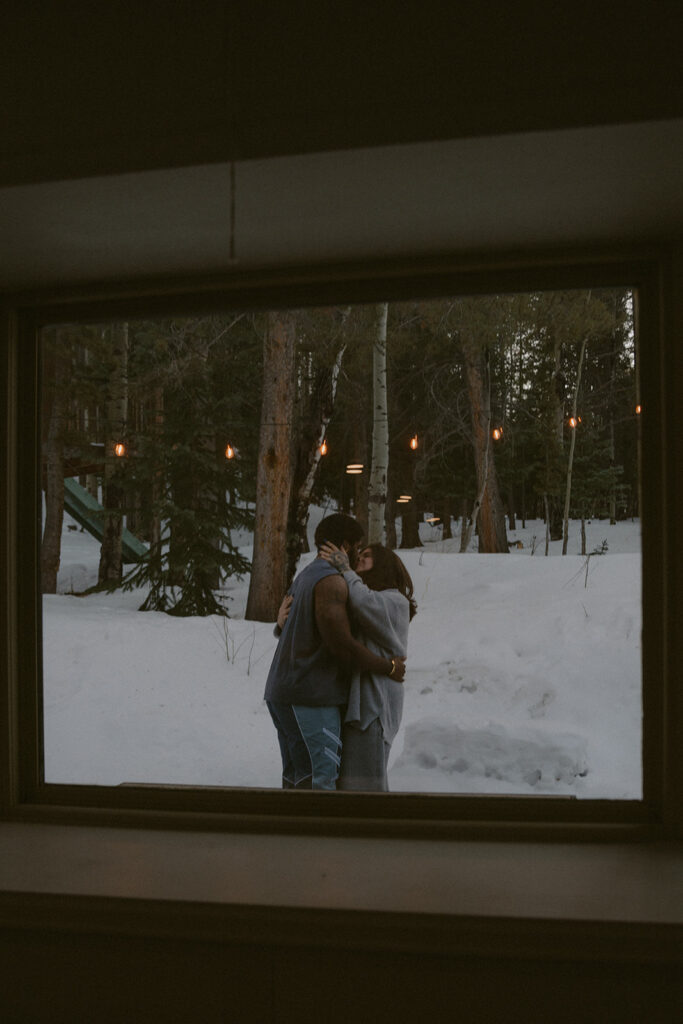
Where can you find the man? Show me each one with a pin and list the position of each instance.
(308, 682)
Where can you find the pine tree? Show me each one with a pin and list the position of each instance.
(191, 371)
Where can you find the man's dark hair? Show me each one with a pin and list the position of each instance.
(338, 528)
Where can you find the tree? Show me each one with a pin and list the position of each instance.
(476, 330)
(323, 344)
(379, 466)
(487, 513)
(116, 420)
(190, 379)
(274, 471)
(54, 407)
(572, 443)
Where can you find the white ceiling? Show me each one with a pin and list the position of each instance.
(582, 186)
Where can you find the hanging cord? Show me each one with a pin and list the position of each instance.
(231, 29)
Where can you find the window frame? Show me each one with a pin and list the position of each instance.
(26, 797)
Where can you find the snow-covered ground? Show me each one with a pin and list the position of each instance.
(523, 676)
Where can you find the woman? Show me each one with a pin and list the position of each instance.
(381, 605)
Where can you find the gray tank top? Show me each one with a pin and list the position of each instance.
(303, 670)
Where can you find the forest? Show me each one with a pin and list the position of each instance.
(470, 413)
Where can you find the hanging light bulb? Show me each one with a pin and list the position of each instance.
(413, 442)
(573, 422)
(323, 448)
(639, 409)
(229, 452)
(119, 449)
(497, 433)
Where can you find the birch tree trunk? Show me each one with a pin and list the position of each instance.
(274, 470)
(308, 459)
(377, 494)
(112, 499)
(572, 443)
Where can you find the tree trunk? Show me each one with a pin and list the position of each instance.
(512, 516)
(318, 406)
(157, 480)
(410, 527)
(117, 411)
(572, 444)
(312, 436)
(360, 481)
(465, 529)
(391, 541)
(274, 470)
(612, 458)
(55, 368)
(488, 513)
(446, 529)
(377, 491)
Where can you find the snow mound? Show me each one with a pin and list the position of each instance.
(520, 756)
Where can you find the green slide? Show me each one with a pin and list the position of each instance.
(89, 513)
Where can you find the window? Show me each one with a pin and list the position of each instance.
(488, 805)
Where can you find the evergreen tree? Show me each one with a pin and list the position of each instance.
(194, 490)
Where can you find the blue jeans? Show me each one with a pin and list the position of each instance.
(310, 745)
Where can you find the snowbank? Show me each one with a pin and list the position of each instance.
(523, 677)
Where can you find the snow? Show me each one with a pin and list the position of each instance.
(523, 676)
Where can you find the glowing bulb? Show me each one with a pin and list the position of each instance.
(497, 433)
(573, 422)
(323, 448)
(639, 409)
(229, 452)
(413, 442)
(119, 449)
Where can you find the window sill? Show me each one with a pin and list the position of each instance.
(583, 901)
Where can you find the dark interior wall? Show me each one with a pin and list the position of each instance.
(112, 978)
(102, 88)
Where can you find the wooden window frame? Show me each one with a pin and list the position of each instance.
(24, 796)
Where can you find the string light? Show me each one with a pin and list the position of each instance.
(413, 442)
(497, 433)
(639, 409)
(229, 452)
(119, 449)
(573, 422)
(323, 448)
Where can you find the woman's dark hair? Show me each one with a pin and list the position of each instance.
(338, 528)
(389, 573)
